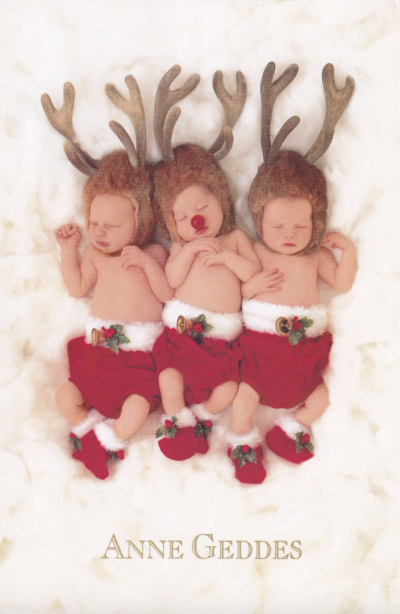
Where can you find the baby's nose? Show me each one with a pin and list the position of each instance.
(198, 222)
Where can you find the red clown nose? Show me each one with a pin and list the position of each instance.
(198, 222)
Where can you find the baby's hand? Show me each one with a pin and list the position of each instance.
(132, 255)
(266, 281)
(210, 258)
(335, 240)
(68, 235)
(206, 244)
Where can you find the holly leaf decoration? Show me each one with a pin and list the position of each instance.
(295, 336)
(303, 441)
(206, 327)
(170, 432)
(298, 335)
(77, 442)
(243, 457)
(117, 339)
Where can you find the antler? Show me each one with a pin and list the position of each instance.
(233, 106)
(133, 108)
(336, 102)
(269, 92)
(165, 117)
(61, 120)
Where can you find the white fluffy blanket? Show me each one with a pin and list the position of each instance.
(56, 520)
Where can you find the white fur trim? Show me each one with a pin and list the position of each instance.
(252, 438)
(185, 417)
(290, 425)
(201, 412)
(87, 424)
(108, 437)
(227, 326)
(262, 317)
(142, 335)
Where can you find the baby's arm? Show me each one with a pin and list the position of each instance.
(79, 278)
(243, 262)
(152, 261)
(182, 256)
(340, 276)
(269, 280)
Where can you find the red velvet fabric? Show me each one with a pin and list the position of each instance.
(204, 366)
(284, 375)
(106, 379)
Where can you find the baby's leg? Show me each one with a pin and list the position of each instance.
(221, 397)
(172, 388)
(314, 406)
(244, 405)
(134, 412)
(70, 403)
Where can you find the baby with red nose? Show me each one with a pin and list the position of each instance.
(285, 346)
(198, 364)
(209, 259)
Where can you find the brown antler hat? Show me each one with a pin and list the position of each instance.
(190, 164)
(116, 176)
(287, 173)
(122, 171)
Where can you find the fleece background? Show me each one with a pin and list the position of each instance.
(56, 520)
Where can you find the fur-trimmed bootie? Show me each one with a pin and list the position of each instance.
(290, 440)
(203, 427)
(246, 454)
(98, 448)
(176, 438)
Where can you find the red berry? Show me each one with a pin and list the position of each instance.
(121, 454)
(208, 423)
(169, 424)
(296, 323)
(198, 327)
(245, 449)
(305, 438)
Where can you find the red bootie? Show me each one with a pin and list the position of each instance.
(203, 427)
(201, 433)
(296, 448)
(246, 454)
(247, 461)
(177, 440)
(92, 454)
(98, 448)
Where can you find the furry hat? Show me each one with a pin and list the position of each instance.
(116, 176)
(291, 176)
(192, 165)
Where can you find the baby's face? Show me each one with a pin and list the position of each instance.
(287, 225)
(197, 213)
(111, 222)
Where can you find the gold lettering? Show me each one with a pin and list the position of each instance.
(258, 550)
(239, 550)
(210, 548)
(278, 548)
(172, 548)
(135, 548)
(296, 549)
(224, 548)
(152, 545)
(115, 547)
